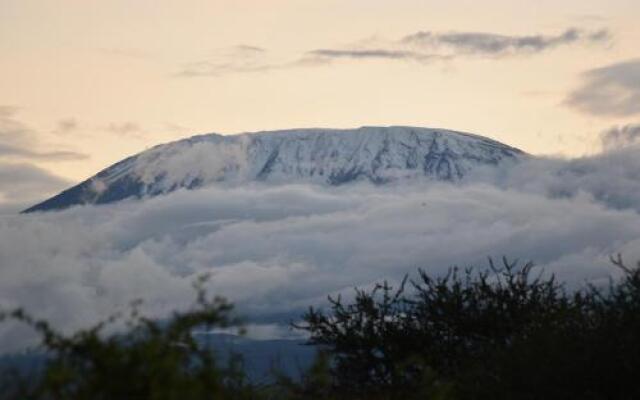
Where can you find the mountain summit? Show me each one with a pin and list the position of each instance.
(322, 156)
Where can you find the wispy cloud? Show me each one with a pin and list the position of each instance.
(236, 59)
(492, 44)
(66, 126)
(421, 47)
(609, 91)
(21, 182)
(212, 68)
(126, 128)
(366, 53)
(25, 153)
(247, 48)
(18, 141)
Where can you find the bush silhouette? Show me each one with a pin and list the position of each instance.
(149, 360)
(499, 333)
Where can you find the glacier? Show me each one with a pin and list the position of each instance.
(377, 155)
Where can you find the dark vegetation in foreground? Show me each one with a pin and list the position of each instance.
(499, 334)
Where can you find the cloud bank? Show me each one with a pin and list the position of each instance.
(274, 250)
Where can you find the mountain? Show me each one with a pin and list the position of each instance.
(322, 156)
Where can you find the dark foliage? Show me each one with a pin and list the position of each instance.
(499, 334)
(148, 360)
(502, 333)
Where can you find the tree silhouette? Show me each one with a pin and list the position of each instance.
(499, 333)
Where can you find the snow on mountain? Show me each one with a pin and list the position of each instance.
(321, 156)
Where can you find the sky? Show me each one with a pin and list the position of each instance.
(85, 83)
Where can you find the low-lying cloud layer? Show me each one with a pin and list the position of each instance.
(275, 250)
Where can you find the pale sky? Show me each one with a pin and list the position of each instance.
(85, 83)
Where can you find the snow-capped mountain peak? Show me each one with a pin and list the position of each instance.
(320, 156)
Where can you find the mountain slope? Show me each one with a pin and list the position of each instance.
(321, 156)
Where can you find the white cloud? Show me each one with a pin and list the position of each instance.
(202, 162)
(610, 178)
(274, 250)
